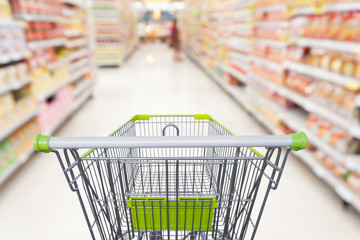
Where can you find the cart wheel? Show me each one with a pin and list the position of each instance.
(193, 235)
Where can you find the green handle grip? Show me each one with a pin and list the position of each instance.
(41, 143)
(299, 141)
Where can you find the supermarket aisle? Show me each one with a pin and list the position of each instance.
(37, 204)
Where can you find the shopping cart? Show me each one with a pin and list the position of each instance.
(172, 177)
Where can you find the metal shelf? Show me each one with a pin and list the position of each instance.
(46, 43)
(306, 156)
(80, 89)
(73, 77)
(296, 119)
(238, 75)
(328, 7)
(39, 18)
(109, 63)
(334, 45)
(78, 64)
(73, 32)
(12, 57)
(79, 73)
(75, 43)
(310, 106)
(81, 100)
(77, 54)
(76, 3)
(275, 66)
(348, 82)
(272, 43)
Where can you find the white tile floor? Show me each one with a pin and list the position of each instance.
(37, 204)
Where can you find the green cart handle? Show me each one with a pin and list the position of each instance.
(299, 141)
(296, 141)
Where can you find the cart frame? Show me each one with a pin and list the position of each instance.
(201, 182)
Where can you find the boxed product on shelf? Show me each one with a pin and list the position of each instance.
(300, 83)
(264, 71)
(325, 160)
(337, 137)
(5, 10)
(7, 110)
(338, 98)
(42, 77)
(343, 26)
(115, 31)
(346, 64)
(311, 49)
(12, 43)
(44, 30)
(13, 76)
(280, 100)
(15, 106)
(351, 178)
(296, 53)
(271, 32)
(277, 54)
(353, 182)
(48, 8)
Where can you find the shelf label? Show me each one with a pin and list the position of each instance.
(353, 85)
(318, 6)
(357, 49)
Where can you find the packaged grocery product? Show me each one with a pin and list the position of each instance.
(339, 171)
(353, 181)
(325, 59)
(323, 27)
(323, 128)
(299, 82)
(335, 25)
(338, 94)
(315, 25)
(296, 53)
(5, 12)
(336, 62)
(348, 65)
(329, 163)
(320, 155)
(311, 121)
(350, 26)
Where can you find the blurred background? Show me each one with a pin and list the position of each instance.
(83, 67)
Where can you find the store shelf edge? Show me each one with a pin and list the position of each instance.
(10, 129)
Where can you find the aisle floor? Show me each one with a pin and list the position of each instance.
(36, 202)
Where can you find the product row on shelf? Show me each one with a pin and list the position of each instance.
(115, 31)
(295, 66)
(46, 72)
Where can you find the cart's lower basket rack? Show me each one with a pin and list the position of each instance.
(172, 177)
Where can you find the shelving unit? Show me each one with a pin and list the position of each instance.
(60, 70)
(257, 71)
(115, 31)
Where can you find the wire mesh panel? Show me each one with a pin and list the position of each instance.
(172, 193)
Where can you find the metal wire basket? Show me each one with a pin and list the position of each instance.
(172, 177)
